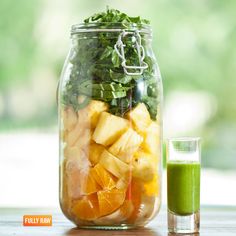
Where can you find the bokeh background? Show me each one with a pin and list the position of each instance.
(195, 45)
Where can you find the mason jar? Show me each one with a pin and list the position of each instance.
(110, 115)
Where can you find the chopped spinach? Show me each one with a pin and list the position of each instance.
(97, 73)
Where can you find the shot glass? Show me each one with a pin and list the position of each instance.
(183, 184)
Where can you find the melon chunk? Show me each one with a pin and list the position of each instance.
(140, 117)
(112, 164)
(126, 145)
(109, 128)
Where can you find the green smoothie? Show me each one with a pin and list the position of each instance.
(183, 186)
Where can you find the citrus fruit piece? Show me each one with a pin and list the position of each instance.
(86, 208)
(103, 177)
(110, 200)
(88, 183)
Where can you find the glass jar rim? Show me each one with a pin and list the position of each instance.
(110, 27)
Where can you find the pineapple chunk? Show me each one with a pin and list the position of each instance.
(143, 166)
(90, 114)
(109, 128)
(69, 118)
(124, 181)
(140, 117)
(126, 145)
(112, 164)
(152, 188)
(151, 141)
(95, 151)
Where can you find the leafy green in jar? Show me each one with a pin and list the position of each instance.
(97, 73)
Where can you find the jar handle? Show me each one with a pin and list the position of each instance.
(119, 48)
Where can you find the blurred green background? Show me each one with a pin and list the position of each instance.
(195, 46)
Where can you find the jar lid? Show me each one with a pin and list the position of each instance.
(110, 27)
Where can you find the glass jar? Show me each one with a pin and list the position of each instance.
(110, 103)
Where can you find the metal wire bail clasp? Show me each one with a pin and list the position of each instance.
(119, 47)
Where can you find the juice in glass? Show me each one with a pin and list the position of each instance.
(183, 185)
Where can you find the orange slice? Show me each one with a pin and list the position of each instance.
(88, 183)
(110, 200)
(103, 177)
(86, 208)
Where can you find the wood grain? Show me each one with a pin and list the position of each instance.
(215, 221)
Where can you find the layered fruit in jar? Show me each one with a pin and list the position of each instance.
(110, 169)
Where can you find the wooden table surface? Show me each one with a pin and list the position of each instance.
(215, 221)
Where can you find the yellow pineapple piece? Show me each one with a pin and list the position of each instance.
(151, 141)
(78, 125)
(114, 165)
(89, 115)
(140, 117)
(70, 118)
(124, 181)
(95, 151)
(109, 128)
(152, 188)
(126, 145)
(143, 166)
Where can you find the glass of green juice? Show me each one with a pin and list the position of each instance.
(183, 184)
